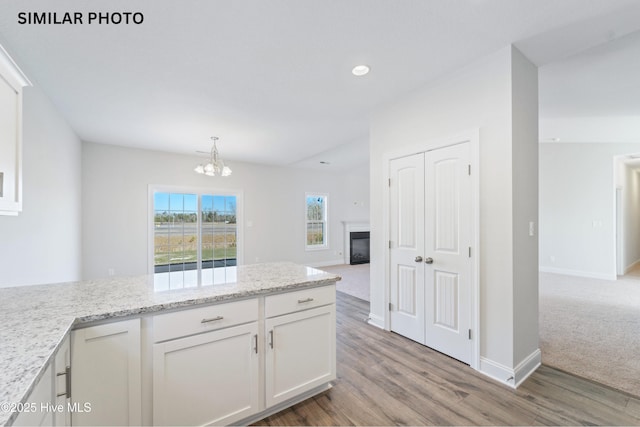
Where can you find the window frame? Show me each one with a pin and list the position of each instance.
(325, 244)
(199, 192)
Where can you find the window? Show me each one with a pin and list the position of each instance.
(195, 238)
(316, 221)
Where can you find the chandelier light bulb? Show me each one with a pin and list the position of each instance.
(216, 165)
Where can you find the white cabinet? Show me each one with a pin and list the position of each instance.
(211, 378)
(47, 402)
(225, 363)
(11, 82)
(301, 353)
(217, 364)
(206, 371)
(106, 379)
(36, 409)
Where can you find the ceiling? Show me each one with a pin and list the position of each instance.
(272, 78)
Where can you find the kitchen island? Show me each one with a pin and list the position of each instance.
(36, 320)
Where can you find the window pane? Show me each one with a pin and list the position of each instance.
(219, 232)
(218, 203)
(316, 218)
(190, 203)
(186, 224)
(315, 233)
(161, 201)
(207, 250)
(315, 208)
(207, 203)
(176, 202)
(230, 205)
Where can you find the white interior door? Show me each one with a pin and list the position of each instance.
(430, 234)
(406, 248)
(448, 237)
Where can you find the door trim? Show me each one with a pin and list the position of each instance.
(473, 138)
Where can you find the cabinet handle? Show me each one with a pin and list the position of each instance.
(213, 319)
(67, 382)
(255, 343)
(271, 338)
(300, 301)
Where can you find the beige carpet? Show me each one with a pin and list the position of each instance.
(355, 279)
(591, 328)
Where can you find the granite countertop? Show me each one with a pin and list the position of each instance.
(35, 319)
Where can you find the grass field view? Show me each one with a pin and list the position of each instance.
(178, 234)
(184, 248)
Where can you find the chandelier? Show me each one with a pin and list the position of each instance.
(216, 165)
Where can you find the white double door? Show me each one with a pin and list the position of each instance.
(430, 249)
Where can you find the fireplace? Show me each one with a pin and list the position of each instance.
(359, 244)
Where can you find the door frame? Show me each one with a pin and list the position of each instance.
(473, 138)
(619, 231)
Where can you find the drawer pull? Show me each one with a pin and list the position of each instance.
(67, 373)
(301, 301)
(213, 319)
(271, 338)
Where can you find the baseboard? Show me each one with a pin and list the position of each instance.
(376, 321)
(338, 261)
(497, 371)
(508, 376)
(527, 367)
(578, 273)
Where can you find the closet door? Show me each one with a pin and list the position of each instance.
(448, 227)
(406, 232)
(430, 242)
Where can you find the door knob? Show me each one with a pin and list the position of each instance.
(429, 260)
(418, 258)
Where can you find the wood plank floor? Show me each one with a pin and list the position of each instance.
(386, 379)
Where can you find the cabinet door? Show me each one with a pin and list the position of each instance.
(211, 378)
(38, 407)
(106, 382)
(301, 352)
(61, 383)
(10, 149)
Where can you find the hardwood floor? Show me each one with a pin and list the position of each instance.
(386, 379)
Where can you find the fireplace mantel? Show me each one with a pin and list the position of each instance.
(350, 226)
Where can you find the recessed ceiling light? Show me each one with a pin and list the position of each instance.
(360, 70)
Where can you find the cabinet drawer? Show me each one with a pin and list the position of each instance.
(203, 319)
(289, 302)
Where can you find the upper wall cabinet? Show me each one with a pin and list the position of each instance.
(12, 80)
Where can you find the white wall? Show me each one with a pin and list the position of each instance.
(524, 93)
(479, 96)
(115, 214)
(42, 244)
(356, 187)
(577, 207)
